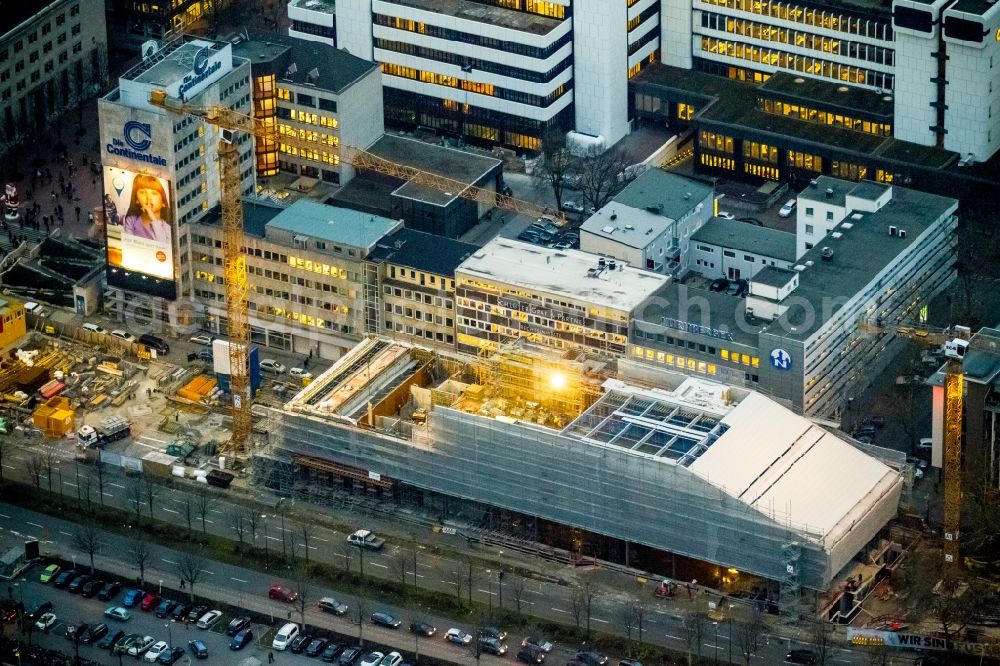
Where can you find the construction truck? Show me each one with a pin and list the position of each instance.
(110, 429)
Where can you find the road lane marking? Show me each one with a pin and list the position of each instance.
(486, 592)
(676, 638)
(560, 610)
(41, 527)
(239, 580)
(381, 566)
(167, 561)
(65, 533)
(171, 511)
(535, 592)
(597, 619)
(117, 485)
(4, 515)
(70, 483)
(208, 572)
(321, 539)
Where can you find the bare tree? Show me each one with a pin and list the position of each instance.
(640, 610)
(306, 531)
(87, 490)
(191, 569)
(150, 490)
(748, 633)
(252, 520)
(456, 578)
(302, 589)
(821, 636)
(471, 575)
(358, 613)
(101, 470)
(187, 510)
(517, 589)
(4, 443)
(555, 165)
(49, 461)
(695, 625)
(36, 468)
(402, 560)
(346, 552)
(140, 552)
(588, 603)
(416, 619)
(134, 496)
(238, 523)
(603, 174)
(626, 615)
(476, 646)
(203, 503)
(88, 538)
(577, 605)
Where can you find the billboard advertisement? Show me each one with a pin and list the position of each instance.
(138, 215)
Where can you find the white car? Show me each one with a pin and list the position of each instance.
(725, 215)
(159, 647)
(270, 365)
(94, 328)
(299, 372)
(45, 622)
(372, 659)
(392, 659)
(787, 209)
(141, 646)
(285, 635)
(208, 619)
(117, 613)
(124, 335)
(572, 207)
(201, 339)
(458, 636)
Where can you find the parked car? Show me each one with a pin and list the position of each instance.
(285, 636)
(733, 289)
(372, 659)
(155, 650)
(93, 632)
(629, 662)
(132, 598)
(75, 631)
(92, 587)
(40, 609)
(458, 636)
(531, 654)
(384, 619)
(800, 656)
(348, 656)
(270, 365)
(123, 335)
(787, 209)
(149, 602)
(492, 645)
(170, 655)
(140, 645)
(529, 237)
(77, 583)
(180, 612)
(242, 639)
(300, 643)
(331, 605)
(282, 593)
(93, 328)
(330, 652)
(117, 613)
(592, 657)
(202, 339)
(165, 607)
(195, 613)
(539, 641)
(316, 647)
(45, 622)
(392, 659)
(237, 624)
(109, 590)
(494, 632)
(49, 572)
(423, 628)
(109, 640)
(366, 539)
(719, 284)
(573, 207)
(208, 619)
(154, 342)
(198, 649)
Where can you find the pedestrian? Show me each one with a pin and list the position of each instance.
(182, 583)
(90, 217)
(270, 657)
(310, 353)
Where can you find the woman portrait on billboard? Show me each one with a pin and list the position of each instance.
(148, 213)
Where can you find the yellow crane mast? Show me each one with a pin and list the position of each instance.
(955, 342)
(237, 286)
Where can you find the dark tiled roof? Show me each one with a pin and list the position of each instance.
(422, 251)
(337, 68)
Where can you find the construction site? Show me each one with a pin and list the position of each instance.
(691, 477)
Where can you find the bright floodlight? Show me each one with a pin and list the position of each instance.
(558, 380)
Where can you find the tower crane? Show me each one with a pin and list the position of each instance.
(954, 341)
(231, 122)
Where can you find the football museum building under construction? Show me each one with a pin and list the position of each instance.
(720, 479)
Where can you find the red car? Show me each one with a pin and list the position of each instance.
(149, 602)
(282, 593)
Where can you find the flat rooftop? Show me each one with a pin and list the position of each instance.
(488, 14)
(422, 251)
(569, 273)
(981, 363)
(176, 63)
(672, 194)
(722, 316)
(828, 190)
(747, 238)
(333, 224)
(464, 167)
(629, 226)
(317, 64)
(325, 6)
(850, 99)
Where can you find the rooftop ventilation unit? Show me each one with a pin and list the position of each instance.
(629, 227)
(837, 234)
(800, 267)
(892, 230)
(847, 225)
(827, 253)
(829, 193)
(608, 229)
(857, 216)
(902, 233)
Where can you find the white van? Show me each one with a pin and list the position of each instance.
(93, 327)
(285, 636)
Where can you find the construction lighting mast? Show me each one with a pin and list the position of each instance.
(954, 341)
(237, 286)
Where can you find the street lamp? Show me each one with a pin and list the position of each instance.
(74, 563)
(263, 517)
(161, 587)
(170, 633)
(500, 589)
(716, 642)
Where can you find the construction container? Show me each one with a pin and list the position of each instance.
(196, 389)
(219, 479)
(51, 388)
(159, 464)
(54, 417)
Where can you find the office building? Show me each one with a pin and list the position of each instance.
(53, 55)
(688, 477)
(650, 222)
(167, 163)
(412, 294)
(316, 94)
(564, 299)
(738, 250)
(981, 442)
(306, 265)
(498, 72)
(796, 335)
